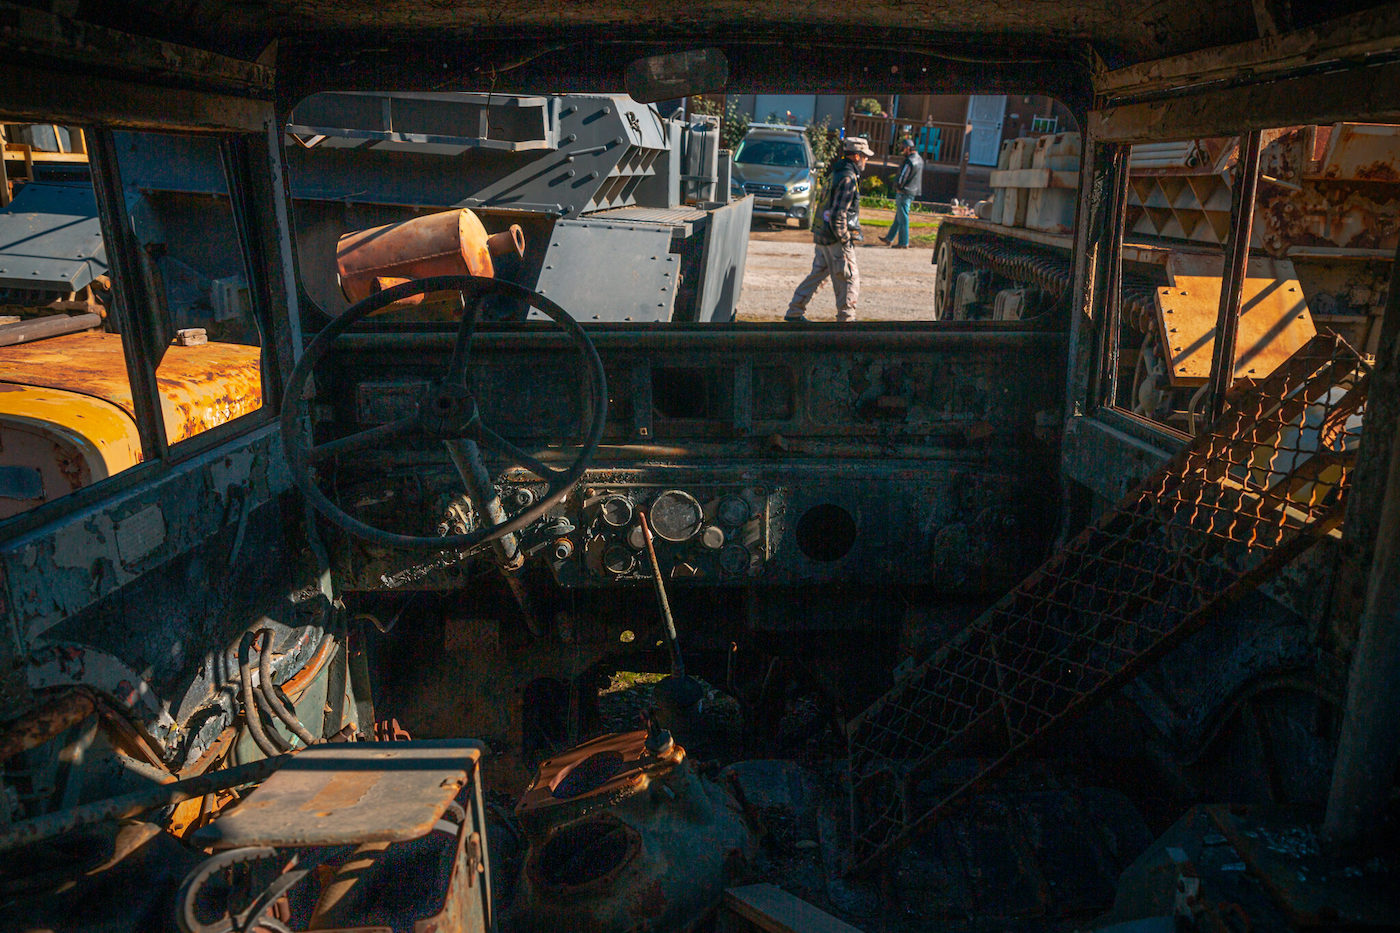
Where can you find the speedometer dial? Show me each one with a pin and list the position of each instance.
(676, 516)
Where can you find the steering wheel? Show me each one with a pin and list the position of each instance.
(447, 412)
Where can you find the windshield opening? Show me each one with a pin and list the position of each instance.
(771, 152)
(704, 210)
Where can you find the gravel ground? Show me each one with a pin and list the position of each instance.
(895, 284)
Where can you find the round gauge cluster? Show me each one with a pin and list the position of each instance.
(615, 511)
(695, 536)
(619, 560)
(734, 559)
(732, 510)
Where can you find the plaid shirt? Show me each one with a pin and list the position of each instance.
(845, 199)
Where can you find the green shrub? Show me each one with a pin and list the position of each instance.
(824, 142)
(867, 105)
(872, 186)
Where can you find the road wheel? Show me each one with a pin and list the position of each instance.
(945, 279)
(805, 221)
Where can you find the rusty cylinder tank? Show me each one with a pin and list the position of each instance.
(447, 243)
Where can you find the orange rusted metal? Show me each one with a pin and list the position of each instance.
(205, 386)
(607, 768)
(447, 243)
(201, 387)
(1274, 317)
(1331, 188)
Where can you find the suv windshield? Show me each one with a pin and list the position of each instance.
(771, 152)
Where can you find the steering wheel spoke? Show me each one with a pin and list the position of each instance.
(462, 346)
(489, 438)
(363, 439)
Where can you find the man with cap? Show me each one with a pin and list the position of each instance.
(835, 231)
(908, 185)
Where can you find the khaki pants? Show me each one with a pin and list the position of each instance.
(838, 261)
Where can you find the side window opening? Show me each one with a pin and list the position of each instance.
(1322, 240)
(69, 414)
(194, 274)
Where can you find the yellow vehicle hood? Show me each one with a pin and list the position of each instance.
(201, 387)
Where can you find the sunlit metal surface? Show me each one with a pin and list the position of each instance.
(201, 386)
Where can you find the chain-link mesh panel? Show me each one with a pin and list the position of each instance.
(1247, 495)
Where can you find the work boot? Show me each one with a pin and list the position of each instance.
(845, 317)
(798, 318)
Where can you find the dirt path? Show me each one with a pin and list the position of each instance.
(895, 284)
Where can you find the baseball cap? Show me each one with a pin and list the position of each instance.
(856, 144)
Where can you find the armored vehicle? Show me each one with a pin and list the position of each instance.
(1324, 226)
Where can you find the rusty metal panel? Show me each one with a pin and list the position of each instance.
(1363, 152)
(1251, 492)
(1274, 317)
(350, 794)
(50, 571)
(201, 386)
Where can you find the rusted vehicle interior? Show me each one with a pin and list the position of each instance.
(375, 556)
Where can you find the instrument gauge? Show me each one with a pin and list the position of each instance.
(734, 559)
(615, 511)
(676, 516)
(618, 560)
(732, 510)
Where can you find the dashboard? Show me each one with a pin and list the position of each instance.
(757, 457)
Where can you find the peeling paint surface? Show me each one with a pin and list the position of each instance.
(59, 570)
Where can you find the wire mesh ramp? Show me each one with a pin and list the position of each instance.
(1247, 495)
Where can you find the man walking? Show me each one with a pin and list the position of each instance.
(835, 230)
(908, 185)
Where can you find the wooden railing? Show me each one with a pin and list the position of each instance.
(938, 143)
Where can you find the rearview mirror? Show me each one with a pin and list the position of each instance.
(676, 74)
